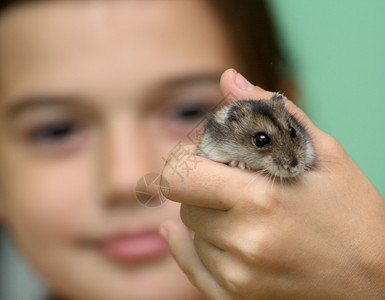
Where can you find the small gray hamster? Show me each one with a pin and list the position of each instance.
(258, 135)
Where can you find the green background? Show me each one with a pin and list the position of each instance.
(337, 49)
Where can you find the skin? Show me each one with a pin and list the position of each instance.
(320, 237)
(59, 196)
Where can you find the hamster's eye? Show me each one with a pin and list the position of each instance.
(293, 132)
(261, 139)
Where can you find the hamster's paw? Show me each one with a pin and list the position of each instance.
(239, 164)
(242, 165)
(234, 163)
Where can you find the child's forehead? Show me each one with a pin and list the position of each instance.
(71, 45)
(58, 29)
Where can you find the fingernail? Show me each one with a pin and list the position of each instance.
(163, 232)
(242, 83)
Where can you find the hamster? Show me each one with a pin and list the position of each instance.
(258, 135)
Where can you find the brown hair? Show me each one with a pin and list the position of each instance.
(251, 31)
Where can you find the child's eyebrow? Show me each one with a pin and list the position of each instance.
(190, 79)
(160, 92)
(30, 102)
(37, 101)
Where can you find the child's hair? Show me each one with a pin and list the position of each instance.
(253, 34)
(249, 26)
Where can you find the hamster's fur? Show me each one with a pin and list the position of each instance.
(260, 135)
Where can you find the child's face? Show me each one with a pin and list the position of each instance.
(93, 94)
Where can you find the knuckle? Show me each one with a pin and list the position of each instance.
(252, 247)
(333, 152)
(268, 202)
(263, 249)
(256, 251)
(234, 281)
(239, 281)
(331, 145)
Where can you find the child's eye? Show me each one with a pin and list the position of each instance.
(190, 113)
(54, 132)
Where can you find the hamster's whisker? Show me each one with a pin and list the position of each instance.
(256, 174)
(253, 177)
(269, 181)
(263, 171)
(324, 167)
(273, 178)
(268, 176)
(281, 180)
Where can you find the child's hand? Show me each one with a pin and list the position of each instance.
(321, 237)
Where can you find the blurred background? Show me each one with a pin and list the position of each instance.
(337, 49)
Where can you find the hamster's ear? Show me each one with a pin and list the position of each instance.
(229, 114)
(222, 114)
(278, 101)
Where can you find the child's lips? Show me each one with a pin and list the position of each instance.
(134, 247)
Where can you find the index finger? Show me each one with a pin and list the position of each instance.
(210, 184)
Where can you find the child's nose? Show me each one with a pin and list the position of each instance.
(127, 156)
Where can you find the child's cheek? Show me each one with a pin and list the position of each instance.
(45, 201)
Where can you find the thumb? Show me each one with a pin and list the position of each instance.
(239, 87)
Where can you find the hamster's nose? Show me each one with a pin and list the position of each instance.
(292, 170)
(293, 165)
(294, 162)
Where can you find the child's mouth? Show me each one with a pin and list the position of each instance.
(134, 247)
